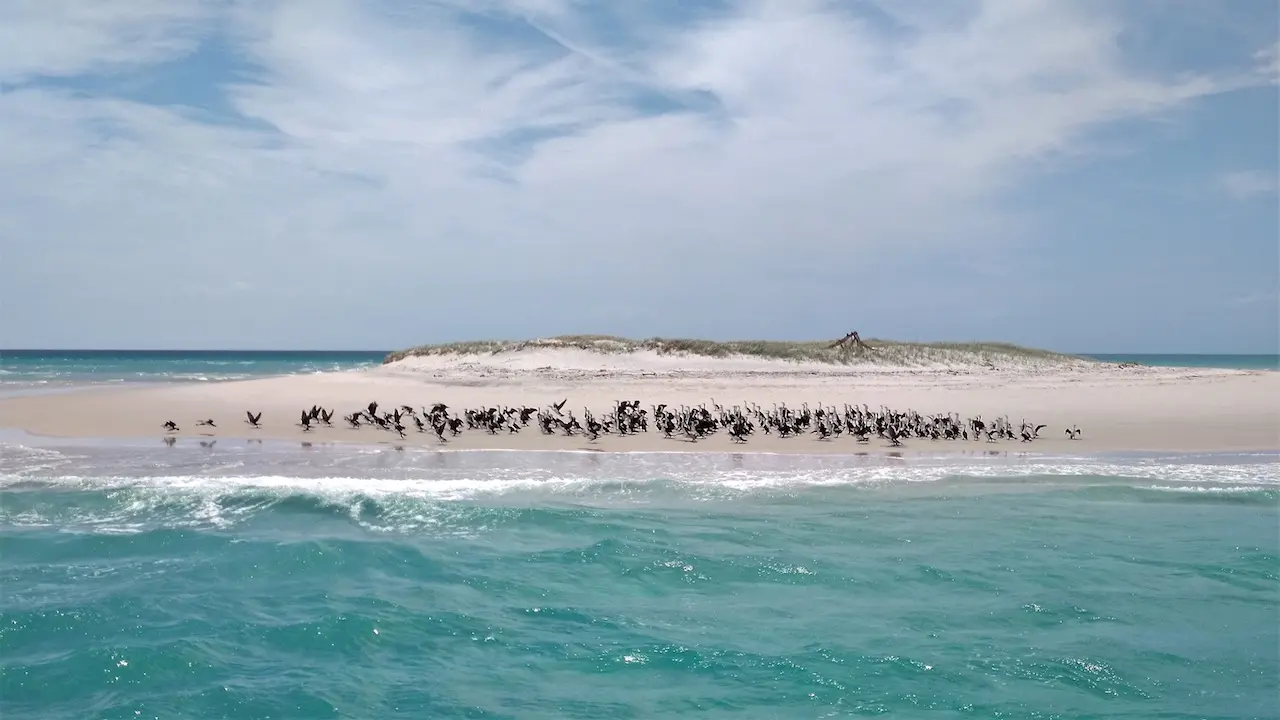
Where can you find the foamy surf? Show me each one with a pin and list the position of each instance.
(125, 489)
(277, 462)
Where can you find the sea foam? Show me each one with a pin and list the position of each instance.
(126, 487)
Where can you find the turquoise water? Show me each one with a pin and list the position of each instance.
(26, 371)
(255, 580)
(1232, 362)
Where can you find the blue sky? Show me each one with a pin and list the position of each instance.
(1087, 176)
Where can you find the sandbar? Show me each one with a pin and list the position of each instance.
(1117, 408)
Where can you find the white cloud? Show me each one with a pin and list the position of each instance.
(814, 146)
(1248, 184)
(1260, 298)
(67, 37)
(1269, 61)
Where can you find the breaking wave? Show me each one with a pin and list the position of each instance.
(121, 488)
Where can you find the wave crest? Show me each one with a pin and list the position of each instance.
(123, 490)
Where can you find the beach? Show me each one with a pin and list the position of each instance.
(1116, 407)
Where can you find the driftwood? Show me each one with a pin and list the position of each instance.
(852, 337)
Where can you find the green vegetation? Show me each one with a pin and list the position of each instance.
(885, 352)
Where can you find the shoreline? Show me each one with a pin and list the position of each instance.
(1119, 409)
(18, 437)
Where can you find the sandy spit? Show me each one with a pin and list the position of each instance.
(1116, 408)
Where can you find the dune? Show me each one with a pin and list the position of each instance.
(1117, 407)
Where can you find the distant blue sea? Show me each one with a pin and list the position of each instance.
(1232, 362)
(26, 371)
(249, 579)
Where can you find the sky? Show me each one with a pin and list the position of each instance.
(1093, 176)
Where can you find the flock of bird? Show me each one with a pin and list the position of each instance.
(690, 423)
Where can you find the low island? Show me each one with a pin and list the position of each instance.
(614, 394)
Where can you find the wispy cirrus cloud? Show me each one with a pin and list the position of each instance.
(1248, 184)
(1259, 298)
(521, 162)
(67, 37)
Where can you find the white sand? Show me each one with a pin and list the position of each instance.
(1131, 408)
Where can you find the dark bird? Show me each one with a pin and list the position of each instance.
(894, 438)
(691, 423)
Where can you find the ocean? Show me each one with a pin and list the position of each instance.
(264, 579)
(25, 372)
(1230, 362)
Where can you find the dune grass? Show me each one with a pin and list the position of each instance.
(885, 352)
